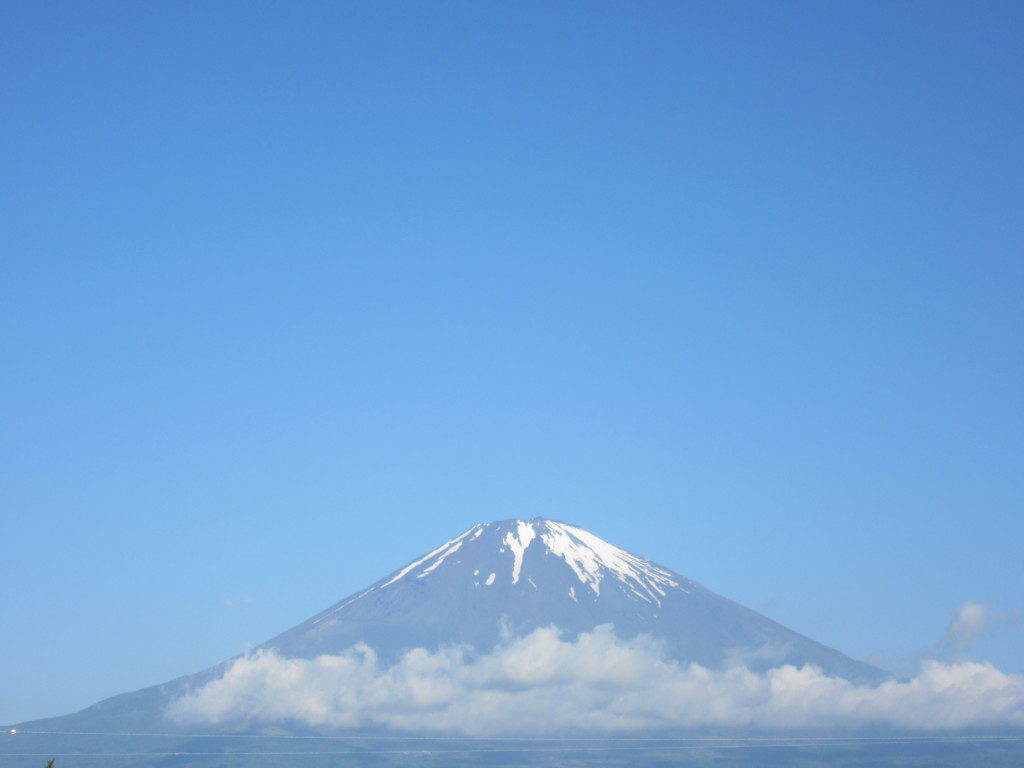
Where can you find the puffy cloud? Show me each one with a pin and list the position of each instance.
(974, 620)
(544, 683)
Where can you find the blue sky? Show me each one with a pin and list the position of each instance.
(291, 292)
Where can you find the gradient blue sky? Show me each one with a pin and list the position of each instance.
(293, 291)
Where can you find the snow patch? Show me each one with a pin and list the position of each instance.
(439, 560)
(402, 573)
(592, 558)
(518, 542)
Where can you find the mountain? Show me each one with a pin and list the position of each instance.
(518, 575)
(511, 577)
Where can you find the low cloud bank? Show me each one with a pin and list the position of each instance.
(545, 684)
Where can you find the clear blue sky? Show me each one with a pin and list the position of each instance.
(293, 291)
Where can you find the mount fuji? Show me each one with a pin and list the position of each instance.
(515, 576)
(507, 579)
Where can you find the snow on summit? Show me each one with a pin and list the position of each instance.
(590, 558)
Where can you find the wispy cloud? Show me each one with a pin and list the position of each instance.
(974, 620)
(545, 683)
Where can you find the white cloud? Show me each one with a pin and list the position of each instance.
(543, 683)
(974, 620)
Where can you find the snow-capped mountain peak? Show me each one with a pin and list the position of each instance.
(514, 576)
(502, 580)
(500, 551)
